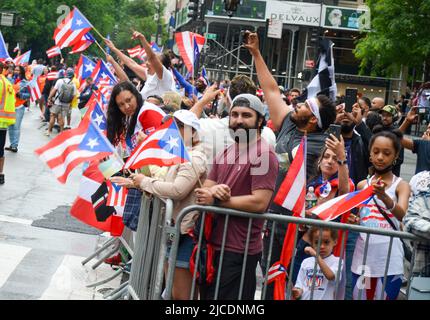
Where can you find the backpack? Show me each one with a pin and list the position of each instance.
(67, 92)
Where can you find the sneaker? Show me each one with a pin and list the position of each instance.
(67, 128)
(114, 261)
(47, 133)
(1, 178)
(11, 149)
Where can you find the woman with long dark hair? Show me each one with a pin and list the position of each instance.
(129, 118)
(22, 95)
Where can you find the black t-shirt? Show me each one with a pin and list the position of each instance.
(287, 144)
(422, 149)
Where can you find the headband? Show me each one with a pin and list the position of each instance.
(313, 105)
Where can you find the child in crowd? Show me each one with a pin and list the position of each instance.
(327, 266)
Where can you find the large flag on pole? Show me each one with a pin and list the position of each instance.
(3, 51)
(22, 59)
(291, 195)
(324, 81)
(186, 42)
(71, 29)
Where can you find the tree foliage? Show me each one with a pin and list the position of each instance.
(400, 35)
(114, 17)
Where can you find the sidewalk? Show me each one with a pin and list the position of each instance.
(44, 263)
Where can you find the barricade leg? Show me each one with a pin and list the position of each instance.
(96, 253)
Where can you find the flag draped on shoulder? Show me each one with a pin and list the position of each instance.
(189, 45)
(324, 81)
(53, 52)
(335, 207)
(3, 51)
(163, 147)
(291, 195)
(23, 59)
(71, 29)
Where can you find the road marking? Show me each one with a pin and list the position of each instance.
(10, 219)
(10, 257)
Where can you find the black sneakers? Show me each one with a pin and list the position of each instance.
(1, 178)
(12, 149)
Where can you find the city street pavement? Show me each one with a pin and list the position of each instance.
(44, 262)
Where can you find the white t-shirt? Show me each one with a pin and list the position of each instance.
(58, 85)
(155, 86)
(377, 251)
(323, 289)
(215, 137)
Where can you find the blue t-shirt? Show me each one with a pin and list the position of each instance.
(422, 149)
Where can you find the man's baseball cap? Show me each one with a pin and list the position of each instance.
(252, 101)
(188, 118)
(390, 109)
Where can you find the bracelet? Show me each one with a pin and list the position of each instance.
(394, 205)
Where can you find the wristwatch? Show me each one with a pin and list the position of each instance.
(342, 162)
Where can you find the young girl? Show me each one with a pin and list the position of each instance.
(391, 197)
(327, 266)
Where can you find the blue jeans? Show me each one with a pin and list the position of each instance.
(15, 130)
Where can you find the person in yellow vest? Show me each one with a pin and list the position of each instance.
(7, 114)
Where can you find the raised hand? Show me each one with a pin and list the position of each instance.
(253, 44)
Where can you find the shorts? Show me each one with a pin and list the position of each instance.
(185, 249)
(57, 109)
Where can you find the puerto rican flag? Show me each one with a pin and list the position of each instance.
(164, 147)
(86, 41)
(84, 68)
(135, 52)
(71, 29)
(33, 87)
(291, 195)
(53, 52)
(23, 59)
(83, 208)
(190, 45)
(117, 195)
(3, 51)
(275, 271)
(72, 147)
(53, 75)
(102, 72)
(333, 208)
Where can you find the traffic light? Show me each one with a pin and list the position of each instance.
(315, 35)
(20, 21)
(193, 9)
(231, 5)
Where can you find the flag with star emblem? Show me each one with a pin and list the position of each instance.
(23, 59)
(84, 68)
(71, 29)
(83, 44)
(163, 147)
(117, 195)
(3, 50)
(53, 52)
(73, 147)
(102, 73)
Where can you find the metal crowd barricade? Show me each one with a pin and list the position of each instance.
(147, 269)
(277, 219)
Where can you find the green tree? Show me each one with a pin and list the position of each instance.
(400, 36)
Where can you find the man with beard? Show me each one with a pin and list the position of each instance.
(356, 135)
(389, 116)
(242, 178)
(312, 117)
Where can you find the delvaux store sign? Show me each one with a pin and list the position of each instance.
(298, 13)
(316, 15)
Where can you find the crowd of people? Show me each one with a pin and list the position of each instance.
(242, 140)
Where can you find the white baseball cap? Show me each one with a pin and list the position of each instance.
(188, 118)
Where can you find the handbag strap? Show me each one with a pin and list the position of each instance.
(385, 215)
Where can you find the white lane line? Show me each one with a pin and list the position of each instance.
(10, 219)
(10, 257)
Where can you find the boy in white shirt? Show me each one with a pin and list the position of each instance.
(327, 267)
